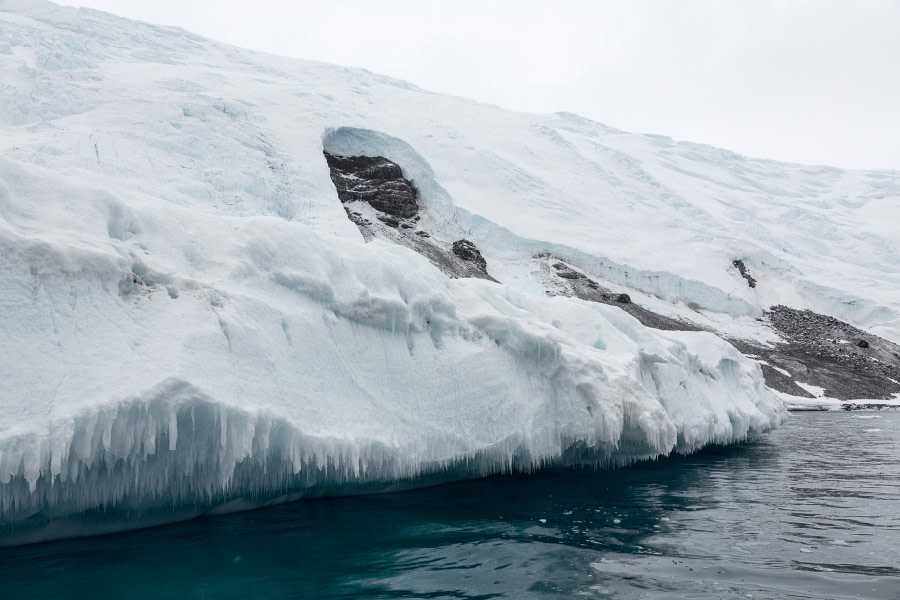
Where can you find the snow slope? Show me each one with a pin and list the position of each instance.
(189, 320)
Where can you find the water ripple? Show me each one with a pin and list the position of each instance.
(811, 511)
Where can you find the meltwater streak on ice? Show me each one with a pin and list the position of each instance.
(808, 512)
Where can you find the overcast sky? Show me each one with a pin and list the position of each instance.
(812, 81)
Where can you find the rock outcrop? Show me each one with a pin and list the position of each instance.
(469, 252)
(577, 284)
(375, 180)
(745, 273)
(385, 204)
(818, 350)
(847, 362)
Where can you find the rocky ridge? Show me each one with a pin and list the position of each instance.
(817, 351)
(374, 180)
(745, 273)
(824, 352)
(566, 280)
(384, 204)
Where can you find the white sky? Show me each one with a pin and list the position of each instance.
(812, 81)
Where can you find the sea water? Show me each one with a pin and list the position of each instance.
(809, 511)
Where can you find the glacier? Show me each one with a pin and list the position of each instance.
(190, 323)
(259, 359)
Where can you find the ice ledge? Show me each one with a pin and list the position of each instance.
(174, 453)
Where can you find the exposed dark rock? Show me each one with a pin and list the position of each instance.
(361, 222)
(375, 180)
(745, 273)
(777, 380)
(447, 260)
(393, 199)
(582, 286)
(818, 351)
(389, 220)
(868, 406)
(468, 251)
(563, 270)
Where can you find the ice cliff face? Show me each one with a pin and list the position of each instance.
(189, 321)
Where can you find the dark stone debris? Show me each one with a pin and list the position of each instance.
(582, 286)
(817, 351)
(380, 183)
(468, 251)
(375, 180)
(745, 273)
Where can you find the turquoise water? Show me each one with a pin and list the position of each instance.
(810, 511)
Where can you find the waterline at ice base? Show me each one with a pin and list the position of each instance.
(229, 279)
(289, 364)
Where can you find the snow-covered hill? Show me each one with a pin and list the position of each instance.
(189, 319)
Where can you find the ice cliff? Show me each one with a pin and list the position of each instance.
(189, 321)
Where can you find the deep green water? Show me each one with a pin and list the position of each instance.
(810, 511)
